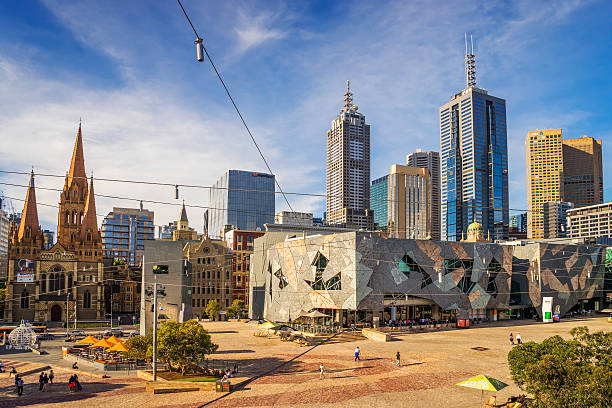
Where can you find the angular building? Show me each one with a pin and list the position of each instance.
(544, 176)
(54, 284)
(379, 200)
(582, 171)
(474, 161)
(431, 162)
(409, 202)
(348, 168)
(244, 199)
(124, 231)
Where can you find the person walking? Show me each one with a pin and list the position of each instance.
(19, 386)
(13, 371)
(321, 372)
(71, 384)
(357, 353)
(78, 384)
(1, 366)
(519, 340)
(16, 383)
(45, 382)
(51, 376)
(511, 339)
(40, 382)
(397, 358)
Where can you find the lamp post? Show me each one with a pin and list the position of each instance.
(155, 330)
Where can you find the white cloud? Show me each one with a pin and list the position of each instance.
(254, 30)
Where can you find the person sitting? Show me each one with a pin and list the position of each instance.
(74, 366)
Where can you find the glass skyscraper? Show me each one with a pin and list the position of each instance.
(244, 199)
(378, 201)
(124, 231)
(474, 161)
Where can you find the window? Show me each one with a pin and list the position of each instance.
(43, 283)
(407, 265)
(86, 300)
(25, 299)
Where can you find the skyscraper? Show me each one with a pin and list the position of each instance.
(431, 162)
(244, 199)
(408, 204)
(474, 160)
(582, 171)
(544, 176)
(379, 199)
(348, 168)
(555, 219)
(124, 231)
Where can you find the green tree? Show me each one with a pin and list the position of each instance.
(212, 308)
(118, 261)
(236, 309)
(140, 347)
(561, 373)
(179, 344)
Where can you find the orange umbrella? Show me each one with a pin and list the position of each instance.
(118, 347)
(113, 340)
(102, 343)
(88, 340)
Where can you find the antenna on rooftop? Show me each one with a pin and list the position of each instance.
(470, 63)
(348, 98)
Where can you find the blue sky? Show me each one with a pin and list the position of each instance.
(151, 112)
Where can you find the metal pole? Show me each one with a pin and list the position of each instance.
(155, 330)
(111, 304)
(75, 314)
(66, 312)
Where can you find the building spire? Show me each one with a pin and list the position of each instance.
(348, 98)
(183, 217)
(77, 165)
(470, 63)
(90, 221)
(29, 218)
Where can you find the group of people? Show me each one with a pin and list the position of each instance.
(518, 338)
(44, 380)
(411, 323)
(74, 384)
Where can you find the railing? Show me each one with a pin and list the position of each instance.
(316, 329)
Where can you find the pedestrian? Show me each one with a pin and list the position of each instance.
(13, 371)
(45, 382)
(397, 358)
(357, 353)
(511, 339)
(16, 383)
(78, 384)
(51, 376)
(19, 386)
(71, 384)
(40, 381)
(321, 373)
(1, 366)
(519, 340)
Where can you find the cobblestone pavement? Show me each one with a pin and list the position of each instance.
(431, 364)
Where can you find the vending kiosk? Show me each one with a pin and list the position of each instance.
(547, 309)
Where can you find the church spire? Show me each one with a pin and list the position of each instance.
(29, 218)
(183, 214)
(90, 222)
(77, 165)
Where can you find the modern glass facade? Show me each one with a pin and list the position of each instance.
(124, 231)
(379, 200)
(474, 164)
(244, 199)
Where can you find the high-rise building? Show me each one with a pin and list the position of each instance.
(582, 171)
(519, 221)
(4, 240)
(379, 197)
(244, 199)
(241, 244)
(555, 224)
(431, 162)
(592, 221)
(408, 208)
(348, 168)
(124, 231)
(474, 161)
(293, 218)
(544, 176)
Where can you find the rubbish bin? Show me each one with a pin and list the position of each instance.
(223, 386)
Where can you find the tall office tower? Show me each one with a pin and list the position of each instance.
(124, 231)
(555, 219)
(409, 205)
(544, 176)
(378, 201)
(244, 199)
(4, 240)
(348, 168)
(431, 162)
(519, 221)
(474, 161)
(582, 171)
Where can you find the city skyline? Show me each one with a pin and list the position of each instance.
(98, 75)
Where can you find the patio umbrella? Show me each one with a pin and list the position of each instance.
(113, 340)
(483, 383)
(118, 347)
(266, 325)
(88, 340)
(101, 343)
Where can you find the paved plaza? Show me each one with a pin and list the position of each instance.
(287, 374)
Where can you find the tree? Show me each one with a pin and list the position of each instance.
(179, 344)
(212, 308)
(236, 309)
(118, 262)
(561, 373)
(140, 347)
